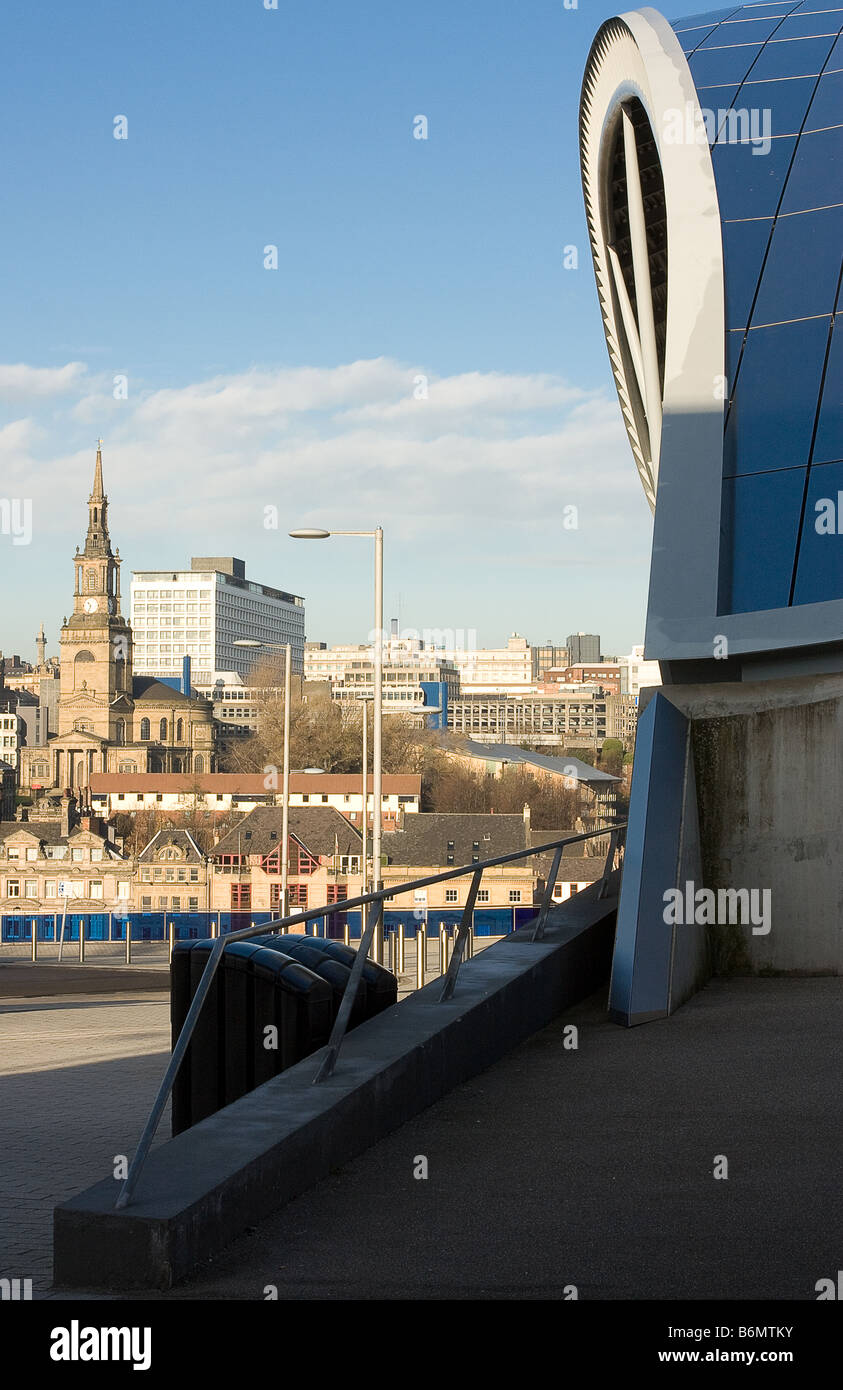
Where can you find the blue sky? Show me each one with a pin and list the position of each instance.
(298, 388)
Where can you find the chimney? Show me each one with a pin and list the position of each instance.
(68, 808)
(527, 820)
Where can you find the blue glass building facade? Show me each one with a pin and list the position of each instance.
(782, 221)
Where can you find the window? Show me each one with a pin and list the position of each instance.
(194, 875)
(452, 895)
(50, 888)
(241, 897)
(31, 854)
(77, 856)
(13, 852)
(482, 895)
(31, 889)
(95, 888)
(179, 731)
(144, 729)
(123, 889)
(515, 895)
(298, 895)
(96, 855)
(120, 731)
(175, 904)
(146, 904)
(12, 887)
(162, 730)
(193, 904)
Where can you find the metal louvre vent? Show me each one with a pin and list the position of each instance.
(655, 218)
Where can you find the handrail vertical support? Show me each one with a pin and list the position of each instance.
(462, 937)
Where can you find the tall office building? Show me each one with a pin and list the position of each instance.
(200, 613)
(583, 648)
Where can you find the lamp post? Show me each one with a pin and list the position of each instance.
(364, 700)
(285, 781)
(317, 534)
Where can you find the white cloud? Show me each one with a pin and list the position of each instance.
(19, 381)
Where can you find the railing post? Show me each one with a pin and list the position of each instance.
(128, 940)
(421, 954)
(443, 948)
(538, 930)
(462, 937)
(400, 940)
(607, 867)
(81, 940)
(346, 933)
(172, 939)
(349, 995)
(34, 938)
(469, 944)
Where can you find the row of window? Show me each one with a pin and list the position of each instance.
(30, 853)
(88, 888)
(164, 904)
(169, 875)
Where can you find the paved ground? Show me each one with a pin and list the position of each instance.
(595, 1168)
(82, 1052)
(77, 1077)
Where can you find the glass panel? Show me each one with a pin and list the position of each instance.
(720, 98)
(828, 444)
(744, 245)
(786, 102)
(692, 38)
(734, 343)
(770, 427)
(692, 21)
(792, 58)
(817, 5)
(803, 267)
(799, 26)
(816, 178)
(761, 523)
(827, 107)
(819, 572)
(835, 62)
(718, 65)
(750, 185)
(751, 31)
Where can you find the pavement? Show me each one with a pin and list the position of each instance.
(77, 1077)
(592, 1168)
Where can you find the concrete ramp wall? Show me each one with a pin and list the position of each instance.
(203, 1188)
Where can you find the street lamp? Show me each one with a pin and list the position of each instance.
(364, 700)
(317, 534)
(285, 783)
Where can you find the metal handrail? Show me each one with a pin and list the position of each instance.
(375, 902)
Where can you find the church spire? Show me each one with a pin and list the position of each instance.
(97, 541)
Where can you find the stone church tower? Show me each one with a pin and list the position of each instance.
(96, 640)
(109, 720)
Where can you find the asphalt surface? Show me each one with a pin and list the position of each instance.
(593, 1167)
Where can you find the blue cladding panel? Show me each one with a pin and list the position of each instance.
(828, 445)
(816, 179)
(770, 428)
(723, 64)
(750, 185)
(734, 344)
(819, 574)
(786, 102)
(694, 21)
(761, 514)
(744, 247)
(799, 26)
(803, 267)
(827, 107)
(692, 38)
(792, 58)
(754, 31)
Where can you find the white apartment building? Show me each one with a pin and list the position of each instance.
(636, 673)
(407, 662)
(200, 613)
(11, 726)
(494, 670)
(221, 792)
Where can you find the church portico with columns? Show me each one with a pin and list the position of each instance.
(110, 720)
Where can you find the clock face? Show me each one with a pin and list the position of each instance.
(90, 605)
